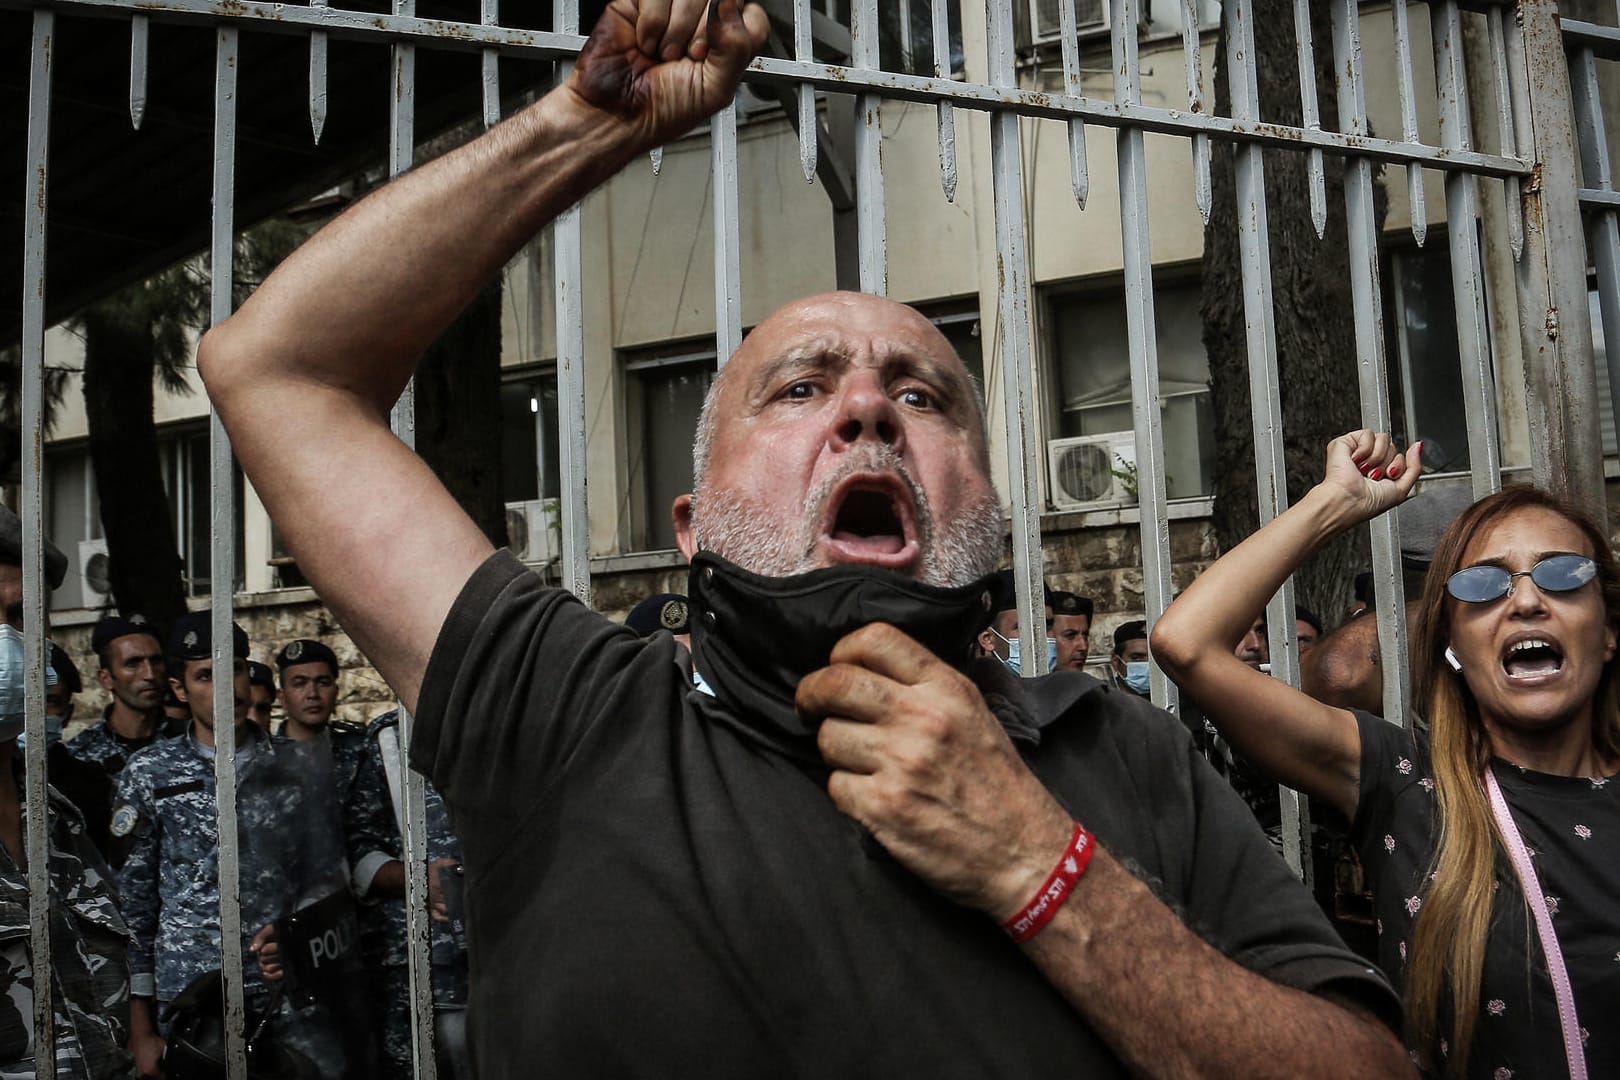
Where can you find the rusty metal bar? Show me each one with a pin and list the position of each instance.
(139, 40)
(1310, 114)
(1137, 253)
(318, 52)
(727, 241)
(1260, 327)
(1079, 174)
(1554, 319)
(1367, 300)
(1467, 266)
(803, 49)
(870, 209)
(1506, 131)
(1603, 225)
(1012, 299)
(489, 63)
(36, 840)
(222, 565)
(945, 115)
(1417, 209)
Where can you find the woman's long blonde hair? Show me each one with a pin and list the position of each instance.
(1449, 938)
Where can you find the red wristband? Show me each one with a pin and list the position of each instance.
(1039, 911)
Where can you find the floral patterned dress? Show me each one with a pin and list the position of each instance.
(1571, 826)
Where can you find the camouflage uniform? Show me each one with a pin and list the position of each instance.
(372, 839)
(166, 851)
(98, 745)
(89, 958)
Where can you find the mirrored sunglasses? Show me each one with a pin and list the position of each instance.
(1555, 573)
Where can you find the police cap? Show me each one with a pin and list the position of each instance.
(67, 672)
(11, 549)
(261, 675)
(305, 651)
(666, 611)
(1135, 630)
(113, 627)
(1068, 603)
(1004, 594)
(192, 637)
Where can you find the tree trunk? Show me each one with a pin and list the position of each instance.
(1310, 283)
(142, 552)
(458, 406)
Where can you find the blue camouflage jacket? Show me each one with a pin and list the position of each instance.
(372, 837)
(89, 958)
(166, 852)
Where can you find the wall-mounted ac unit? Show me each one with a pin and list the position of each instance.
(1046, 18)
(94, 578)
(534, 529)
(1093, 470)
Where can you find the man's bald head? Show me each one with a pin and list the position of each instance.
(844, 429)
(797, 315)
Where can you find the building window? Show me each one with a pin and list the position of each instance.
(906, 37)
(73, 515)
(190, 489)
(72, 522)
(529, 434)
(1090, 348)
(1424, 358)
(664, 390)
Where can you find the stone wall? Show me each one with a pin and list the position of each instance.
(1103, 563)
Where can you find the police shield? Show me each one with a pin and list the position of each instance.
(325, 984)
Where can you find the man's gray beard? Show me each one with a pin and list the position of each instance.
(964, 550)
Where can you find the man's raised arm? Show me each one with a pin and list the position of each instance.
(304, 375)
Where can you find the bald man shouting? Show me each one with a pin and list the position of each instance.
(854, 850)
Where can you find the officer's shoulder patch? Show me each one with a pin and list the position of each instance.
(123, 820)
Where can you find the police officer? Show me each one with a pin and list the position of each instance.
(261, 693)
(89, 979)
(1071, 627)
(133, 672)
(309, 672)
(372, 814)
(166, 852)
(59, 698)
(85, 767)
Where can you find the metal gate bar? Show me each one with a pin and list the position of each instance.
(32, 463)
(1529, 81)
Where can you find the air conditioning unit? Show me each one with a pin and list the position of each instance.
(1046, 18)
(1093, 470)
(94, 577)
(534, 529)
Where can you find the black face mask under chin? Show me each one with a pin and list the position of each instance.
(754, 638)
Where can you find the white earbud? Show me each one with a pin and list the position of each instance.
(1451, 658)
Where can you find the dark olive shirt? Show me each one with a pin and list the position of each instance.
(654, 891)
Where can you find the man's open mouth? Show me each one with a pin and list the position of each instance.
(1532, 658)
(870, 520)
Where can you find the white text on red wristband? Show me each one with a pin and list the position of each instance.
(1039, 911)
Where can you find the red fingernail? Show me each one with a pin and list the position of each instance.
(1418, 446)
(1394, 471)
(1376, 474)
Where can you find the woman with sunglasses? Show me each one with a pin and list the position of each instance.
(1490, 834)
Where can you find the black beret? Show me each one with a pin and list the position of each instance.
(67, 672)
(11, 549)
(192, 637)
(666, 611)
(1004, 593)
(305, 651)
(1067, 603)
(261, 675)
(1135, 630)
(114, 627)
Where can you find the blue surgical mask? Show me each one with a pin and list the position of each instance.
(11, 682)
(1015, 654)
(1136, 676)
